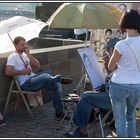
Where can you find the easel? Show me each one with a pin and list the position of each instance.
(92, 67)
(81, 84)
(97, 82)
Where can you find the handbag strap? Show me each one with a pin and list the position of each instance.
(135, 54)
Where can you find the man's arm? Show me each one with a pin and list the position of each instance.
(33, 61)
(106, 61)
(11, 71)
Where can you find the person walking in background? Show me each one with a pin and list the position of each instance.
(124, 90)
(80, 34)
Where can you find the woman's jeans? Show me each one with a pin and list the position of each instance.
(124, 99)
(89, 100)
(46, 82)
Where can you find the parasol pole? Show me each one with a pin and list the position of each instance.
(84, 74)
(86, 38)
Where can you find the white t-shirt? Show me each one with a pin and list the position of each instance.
(15, 60)
(127, 71)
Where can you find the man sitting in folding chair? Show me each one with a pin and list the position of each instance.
(19, 65)
(89, 100)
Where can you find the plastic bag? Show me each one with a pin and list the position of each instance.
(39, 97)
(36, 100)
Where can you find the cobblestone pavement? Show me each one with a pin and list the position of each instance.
(43, 125)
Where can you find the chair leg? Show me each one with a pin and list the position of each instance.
(8, 97)
(101, 125)
(70, 122)
(106, 116)
(18, 99)
(26, 105)
(62, 120)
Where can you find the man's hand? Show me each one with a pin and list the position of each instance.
(34, 62)
(27, 50)
(27, 71)
(11, 71)
(106, 59)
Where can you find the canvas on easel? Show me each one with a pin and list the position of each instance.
(92, 67)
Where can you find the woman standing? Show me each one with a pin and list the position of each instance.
(125, 82)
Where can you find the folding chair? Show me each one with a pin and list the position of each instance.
(15, 88)
(103, 123)
(70, 104)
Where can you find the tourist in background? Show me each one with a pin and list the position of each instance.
(80, 34)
